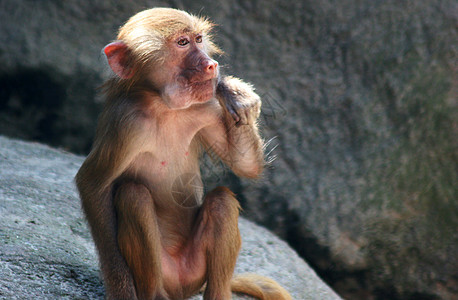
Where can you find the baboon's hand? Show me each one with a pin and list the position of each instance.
(239, 100)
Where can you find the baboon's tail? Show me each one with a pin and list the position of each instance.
(259, 286)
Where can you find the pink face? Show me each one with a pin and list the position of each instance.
(185, 76)
(188, 75)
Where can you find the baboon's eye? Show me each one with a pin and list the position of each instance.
(183, 41)
(199, 39)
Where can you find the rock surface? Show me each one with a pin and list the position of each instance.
(361, 96)
(46, 250)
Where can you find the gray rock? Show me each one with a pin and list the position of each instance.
(46, 250)
(361, 96)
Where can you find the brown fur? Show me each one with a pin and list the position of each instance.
(157, 236)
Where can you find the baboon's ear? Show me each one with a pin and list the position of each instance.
(117, 55)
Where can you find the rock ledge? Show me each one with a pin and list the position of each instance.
(46, 250)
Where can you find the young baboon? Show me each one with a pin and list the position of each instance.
(157, 236)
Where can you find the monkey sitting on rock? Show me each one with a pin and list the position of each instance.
(157, 235)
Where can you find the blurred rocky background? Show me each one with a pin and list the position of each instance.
(359, 96)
